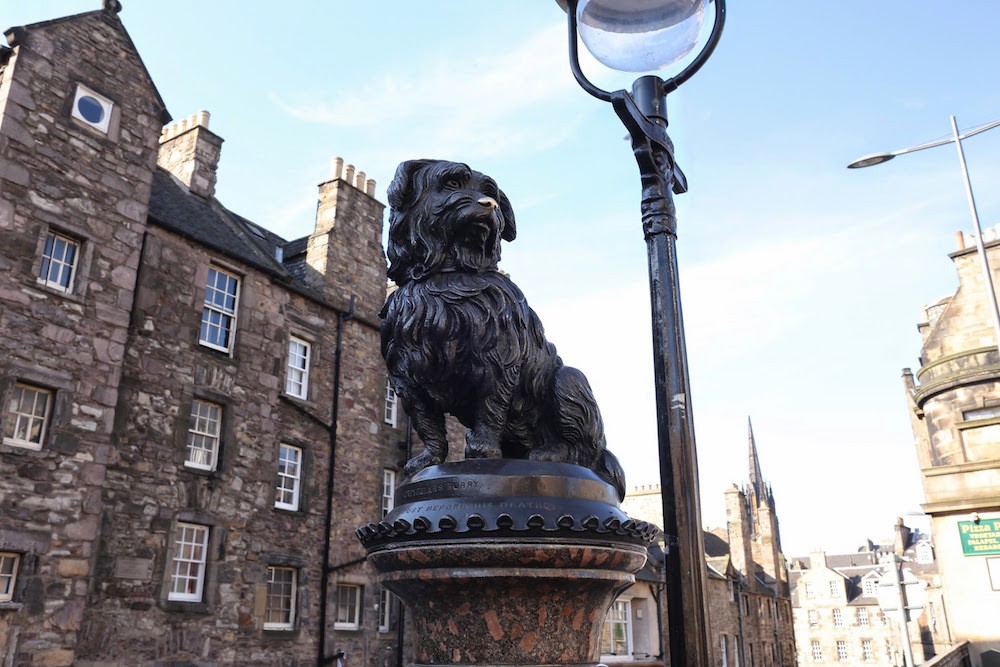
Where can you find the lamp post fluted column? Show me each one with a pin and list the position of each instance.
(643, 111)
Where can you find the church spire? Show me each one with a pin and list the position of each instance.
(756, 489)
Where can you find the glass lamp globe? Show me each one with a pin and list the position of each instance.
(640, 35)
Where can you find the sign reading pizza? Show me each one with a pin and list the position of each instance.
(980, 538)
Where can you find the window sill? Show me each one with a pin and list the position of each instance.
(278, 634)
(186, 607)
(67, 294)
(346, 628)
(290, 512)
(15, 444)
(10, 606)
(221, 355)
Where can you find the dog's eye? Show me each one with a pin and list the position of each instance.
(453, 183)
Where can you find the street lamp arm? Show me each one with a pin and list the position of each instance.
(574, 57)
(673, 82)
(879, 158)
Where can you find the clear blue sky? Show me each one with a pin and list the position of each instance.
(802, 281)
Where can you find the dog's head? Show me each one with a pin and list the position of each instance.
(445, 217)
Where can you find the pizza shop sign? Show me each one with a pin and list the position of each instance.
(980, 538)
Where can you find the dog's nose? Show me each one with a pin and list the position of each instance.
(489, 201)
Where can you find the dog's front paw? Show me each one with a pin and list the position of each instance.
(419, 462)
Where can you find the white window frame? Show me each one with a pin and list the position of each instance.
(351, 609)
(834, 589)
(228, 316)
(107, 106)
(190, 540)
(384, 610)
(9, 564)
(838, 618)
(201, 433)
(817, 651)
(388, 491)
(925, 553)
(49, 260)
(867, 650)
(864, 618)
(289, 480)
(391, 405)
(869, 587)
(812, 617)
(622, 608)
(725, 650)
(280, 597)
(842, 655)
(18, 421)
(808, 586)
(297, 368)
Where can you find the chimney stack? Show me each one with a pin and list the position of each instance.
(190, 151)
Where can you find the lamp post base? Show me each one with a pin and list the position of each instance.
(507, 563)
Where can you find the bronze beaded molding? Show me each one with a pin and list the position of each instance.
(379, 534)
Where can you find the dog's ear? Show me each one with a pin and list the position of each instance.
(509, 226)
(401, 191)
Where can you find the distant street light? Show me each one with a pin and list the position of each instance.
(642, 36)
(956, 138)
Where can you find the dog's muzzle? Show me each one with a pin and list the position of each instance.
(489, 201)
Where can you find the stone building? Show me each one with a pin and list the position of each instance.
(750, 613)
(194, 411)
(954, 401)
(837, 614)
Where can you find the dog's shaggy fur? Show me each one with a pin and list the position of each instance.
(458, 336)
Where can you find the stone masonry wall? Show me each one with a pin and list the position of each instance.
(59, 175)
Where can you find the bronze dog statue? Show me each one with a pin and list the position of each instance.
(458, 336)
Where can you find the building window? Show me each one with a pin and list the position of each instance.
(838, 618)
(8, 575)
(867, 652)
(616, 636)
(388, 491)
(925, 553)
(92, 109)
(813, 618)
(289, 477)
(279, 608)
(869, 587)
(841, 650)
(27, 416)
(297, 378)
(834, 589)
(809, 589)
(204, 435)
(187, 576)
(725, 651)
(817, 651)
(384, 609)
(58, 267)
(218, 319)
(863, 619)
(348, 602)
(391, 400)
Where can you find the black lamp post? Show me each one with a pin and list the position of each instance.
(638, 36)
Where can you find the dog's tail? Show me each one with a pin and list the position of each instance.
(608, 469)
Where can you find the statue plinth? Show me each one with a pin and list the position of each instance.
(507, 562)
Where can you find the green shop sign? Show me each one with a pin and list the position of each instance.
(980, 538)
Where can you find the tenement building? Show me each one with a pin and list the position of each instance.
(750, 611)
(838, 618)
(194, 411)
(954, 401)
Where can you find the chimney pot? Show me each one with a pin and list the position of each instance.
(960, 240)
(336, 168)
(359, 180)
(349, 173)
(370, 187)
